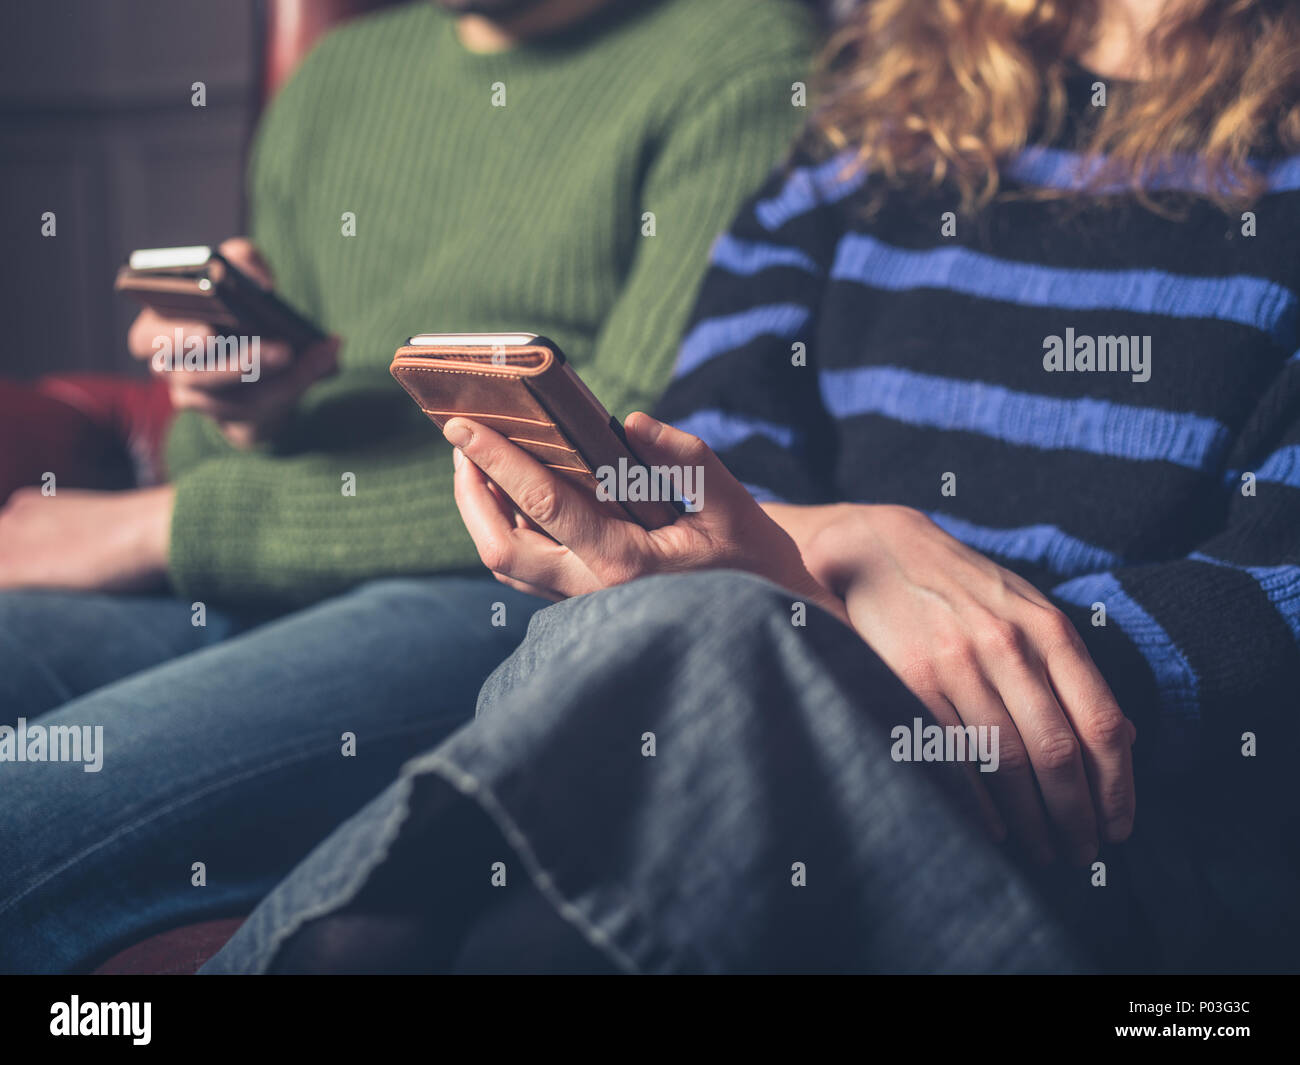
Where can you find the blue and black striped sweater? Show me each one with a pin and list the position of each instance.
(838, 354)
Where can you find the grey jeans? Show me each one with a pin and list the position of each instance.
(695, 783)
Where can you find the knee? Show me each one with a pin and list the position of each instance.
(726, 600)
(450, 598)
(715, 594)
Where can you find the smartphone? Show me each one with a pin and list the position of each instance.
(200, 284)
(521, 385)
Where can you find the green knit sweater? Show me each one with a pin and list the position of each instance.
(471, 216)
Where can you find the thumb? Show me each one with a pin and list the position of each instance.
(708, 488)
(243, 254)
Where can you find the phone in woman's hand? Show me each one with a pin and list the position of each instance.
(521, 385)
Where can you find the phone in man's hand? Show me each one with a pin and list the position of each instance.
(521, 385)
(200, 284)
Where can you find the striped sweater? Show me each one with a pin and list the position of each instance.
(1100, 398)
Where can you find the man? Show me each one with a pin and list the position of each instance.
(555, 166)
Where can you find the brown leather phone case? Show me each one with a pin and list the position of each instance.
(529, 394)
(218, 293)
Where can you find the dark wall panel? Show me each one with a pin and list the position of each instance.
(97, 125)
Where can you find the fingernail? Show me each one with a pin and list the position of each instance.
(457, 433)
(457, 458)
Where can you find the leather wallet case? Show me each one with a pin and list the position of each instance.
(527, 392)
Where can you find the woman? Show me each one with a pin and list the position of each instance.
(1002, 373)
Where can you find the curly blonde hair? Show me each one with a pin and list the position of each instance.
(939, 90)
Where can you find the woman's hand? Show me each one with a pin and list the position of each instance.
(248, 412)
(541, 534)
(979, 645)
(85, 541)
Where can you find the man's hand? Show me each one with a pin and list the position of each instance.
(246, 412)
(85, 541)
(979, 645)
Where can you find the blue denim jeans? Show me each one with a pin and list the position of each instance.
(222, 745)
(695, 784)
